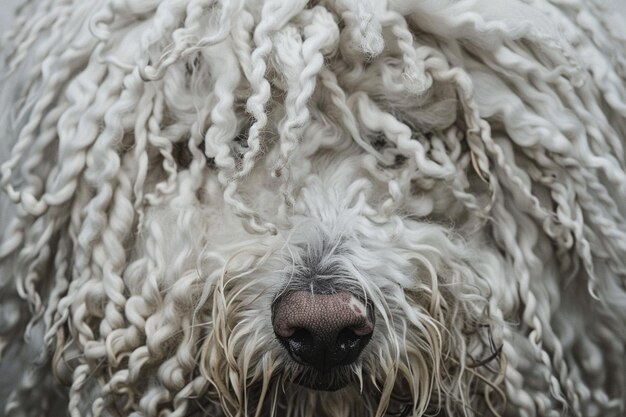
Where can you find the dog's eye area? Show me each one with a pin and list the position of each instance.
(182, 154)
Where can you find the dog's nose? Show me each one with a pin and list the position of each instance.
(322, 330)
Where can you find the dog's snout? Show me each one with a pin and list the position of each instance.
(323, 330)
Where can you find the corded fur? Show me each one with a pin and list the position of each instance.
(170, 165)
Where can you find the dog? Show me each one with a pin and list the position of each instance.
(341, 208)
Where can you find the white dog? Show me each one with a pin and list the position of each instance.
(344, 208)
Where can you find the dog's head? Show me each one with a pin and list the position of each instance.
(336, 208)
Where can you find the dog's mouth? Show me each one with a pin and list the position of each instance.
(323, 380)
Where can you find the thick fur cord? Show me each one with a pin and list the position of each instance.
(169, 167)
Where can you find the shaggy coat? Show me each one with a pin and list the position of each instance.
(170, 168)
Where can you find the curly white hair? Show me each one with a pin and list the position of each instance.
(180, 175)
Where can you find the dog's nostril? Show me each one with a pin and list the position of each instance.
(348, 339)
(299, 342)
(301, 336)
(300, 345)
(320, 330)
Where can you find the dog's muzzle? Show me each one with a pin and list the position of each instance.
(323, 331)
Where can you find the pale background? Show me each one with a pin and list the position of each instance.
(8, 6)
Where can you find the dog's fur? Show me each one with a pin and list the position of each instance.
(173, 166)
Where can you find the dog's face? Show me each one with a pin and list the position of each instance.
(339, 308)
(336, 208)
